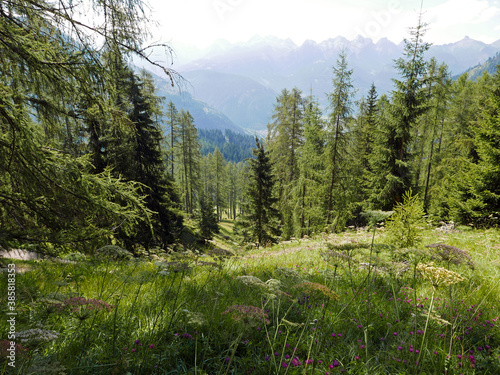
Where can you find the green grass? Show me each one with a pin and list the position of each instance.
(300, 309)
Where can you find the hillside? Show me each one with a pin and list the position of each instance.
(234, 147)
(490, 66)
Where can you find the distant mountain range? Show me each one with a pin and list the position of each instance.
(241, 81)
(489, 66)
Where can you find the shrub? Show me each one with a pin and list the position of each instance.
(405, 225)
(113, 252)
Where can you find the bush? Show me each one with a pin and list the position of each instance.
(405, 225)
(113, 252)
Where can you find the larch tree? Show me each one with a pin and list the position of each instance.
(309, 206)
(54, 97)
(172, 124)
(189, 160)
(219, 175)
(285, 136)
(341, 102)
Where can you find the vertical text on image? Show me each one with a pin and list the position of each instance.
(11, 313)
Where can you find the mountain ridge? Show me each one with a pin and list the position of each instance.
(241, 80)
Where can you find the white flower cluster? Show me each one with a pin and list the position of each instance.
(36, 335)
(439, 275)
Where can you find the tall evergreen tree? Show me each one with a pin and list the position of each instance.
(309, 206)
(172, 124)
(285, 136)
(260, 219)
(408, 102)
(219, 175)
(189, 157)
(207, 221)
(478, 201)
(54, 96)
(340, 99)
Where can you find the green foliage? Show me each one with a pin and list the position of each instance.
(479, 198)
(392, 157)
(405, 225)
(281, 310)
(208, 221)
(57, 114)
(112, 252)
(259, 221)
(234, 147)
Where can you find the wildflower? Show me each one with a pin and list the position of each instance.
(82, 307)
(247, 314)
(451, 254)
(317, 290)
(151, 346)
(438, 275)
(5, 350)
(284, 364)
(356, 358)
(36, 336)
(137, 342)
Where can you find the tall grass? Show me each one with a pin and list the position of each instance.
(328, 305)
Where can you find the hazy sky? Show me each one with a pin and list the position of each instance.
(201, 22)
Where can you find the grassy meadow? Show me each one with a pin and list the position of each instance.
(331, 304)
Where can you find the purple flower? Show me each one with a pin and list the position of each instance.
(152, 346)
(284, 364)
(137, 342)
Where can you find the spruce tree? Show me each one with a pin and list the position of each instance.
(479, 199)
(207, 221)
(393, 175)
(260, 219)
